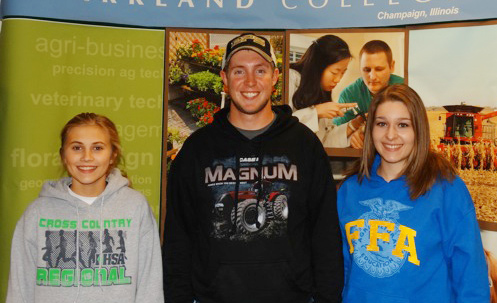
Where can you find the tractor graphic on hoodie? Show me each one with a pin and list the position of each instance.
(260, 210)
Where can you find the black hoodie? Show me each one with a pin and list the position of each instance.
(252, 221)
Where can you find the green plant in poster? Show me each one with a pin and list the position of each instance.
(175, 73)
(205, 81)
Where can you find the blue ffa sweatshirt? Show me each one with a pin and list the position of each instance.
(397, 250)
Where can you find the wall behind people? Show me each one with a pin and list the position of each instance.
(52, 71)
(41, 65)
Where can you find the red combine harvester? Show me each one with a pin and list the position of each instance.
(464, 128)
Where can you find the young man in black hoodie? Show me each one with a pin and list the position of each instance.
(251, 207)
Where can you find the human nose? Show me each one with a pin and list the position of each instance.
(87, 155)
(250, 79)
(373, 75)
(391, 132)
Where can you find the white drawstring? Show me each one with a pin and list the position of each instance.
(78, 275)
(101, 244)
(223, 98)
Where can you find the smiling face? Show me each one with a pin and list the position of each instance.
(333, 73)
(87, 155)
(376, 70)
(250, 80)
(393, 136)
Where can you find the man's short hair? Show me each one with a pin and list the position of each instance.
(377, 46)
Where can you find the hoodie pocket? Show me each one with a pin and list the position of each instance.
(255, 282)
(353, 294)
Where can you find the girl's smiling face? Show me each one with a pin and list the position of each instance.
(393, 137)
(87, 155)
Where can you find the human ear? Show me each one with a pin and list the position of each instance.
(276, 73)
(224, 77)
(392, 66)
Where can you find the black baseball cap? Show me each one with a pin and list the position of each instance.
(252, 42)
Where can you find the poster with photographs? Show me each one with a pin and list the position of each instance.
(453, 70)
(193, 85)
(318, 57)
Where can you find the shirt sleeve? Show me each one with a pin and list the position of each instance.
(177, 250)
(347, 258)
(149, 285)
(326, 239)
(463, 248)
(345, 97)
(22, 276)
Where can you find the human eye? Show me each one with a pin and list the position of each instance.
(261, 71)
(404, 124)
(380, 123)
(366, 69)
(76, 147)
(237, 72)
(98, 147)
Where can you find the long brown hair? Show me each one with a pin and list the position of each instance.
(98, 120)
(424, 166)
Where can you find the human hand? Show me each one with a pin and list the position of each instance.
(357, 122)
(357, 139)
(332, 109)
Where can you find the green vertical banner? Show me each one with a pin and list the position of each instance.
(52, 71)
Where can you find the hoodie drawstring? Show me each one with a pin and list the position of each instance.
(237, 189)
(78, 274)
(261, 186)
(101, 245)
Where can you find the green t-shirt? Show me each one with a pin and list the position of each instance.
(359, 93)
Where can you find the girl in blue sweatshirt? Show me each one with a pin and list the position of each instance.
(408, 222)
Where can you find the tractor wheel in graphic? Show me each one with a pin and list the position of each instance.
(268, 207)
(248, 214)
(280, 207)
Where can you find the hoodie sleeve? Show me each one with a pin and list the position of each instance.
(177, 250)
(22, 277)
(347, 259)
(463, 246)
(149, 285)
(326, 237)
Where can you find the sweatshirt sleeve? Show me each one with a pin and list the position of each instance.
(149, 285)
(22, 276)
(463, 247)
(345, 97)
(177, 251)
(326, 239)
(347, 259)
